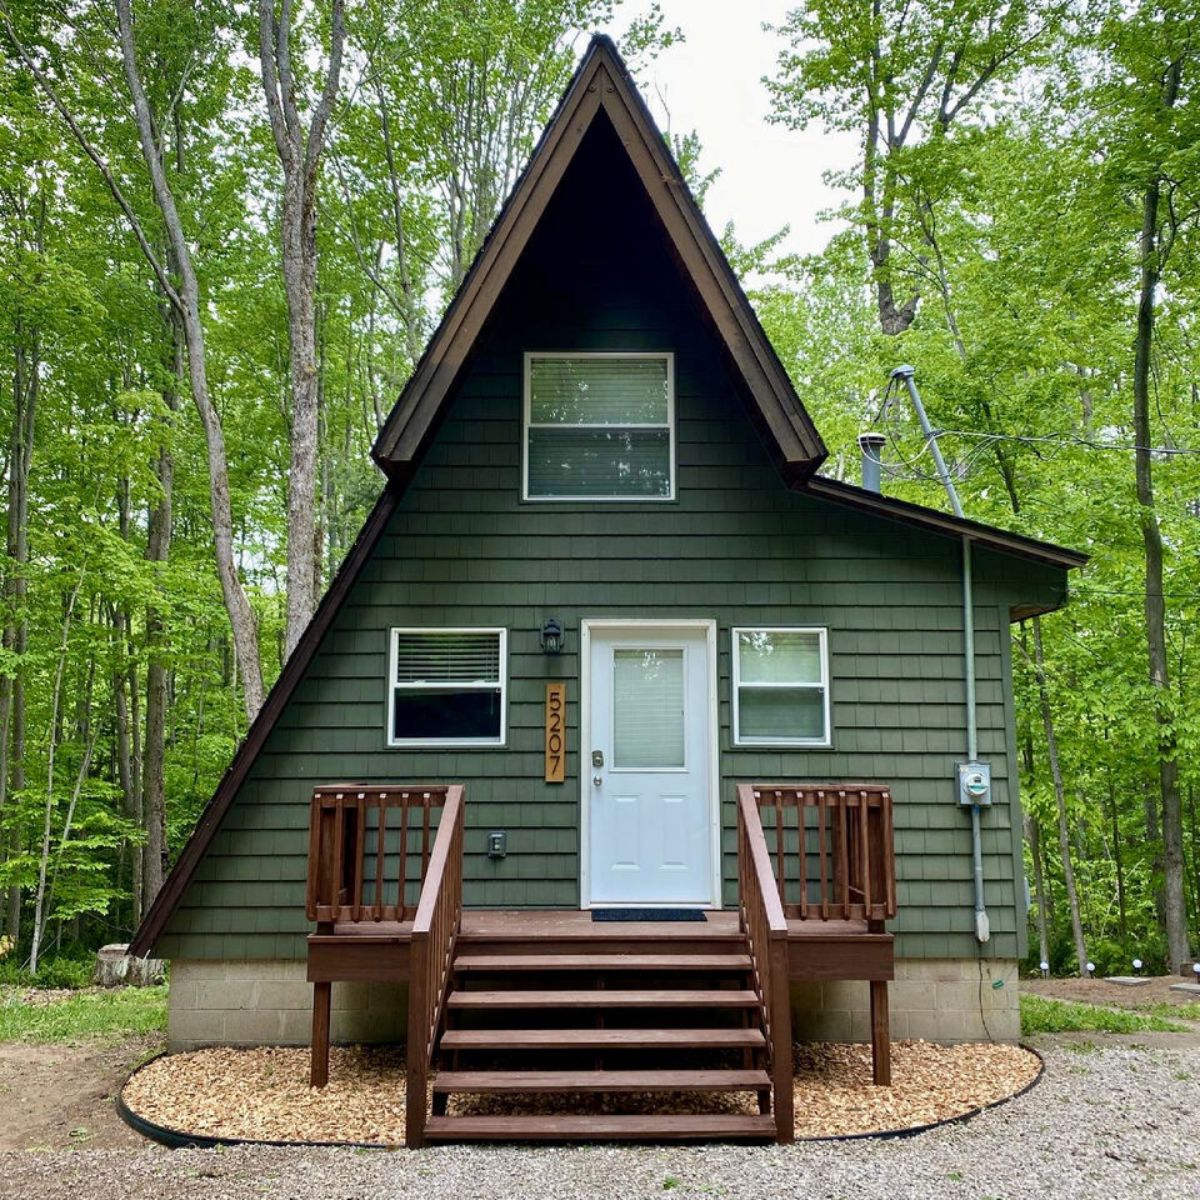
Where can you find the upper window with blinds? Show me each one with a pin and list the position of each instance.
(599, 426)
(446, 687)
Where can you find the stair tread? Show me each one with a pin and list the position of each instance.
(565, 1039)
(602, 962)
(604, 998)
(601, 1081)
(560, 1127)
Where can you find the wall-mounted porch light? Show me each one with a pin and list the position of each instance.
(551, 636)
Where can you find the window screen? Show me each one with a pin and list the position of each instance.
(781, 687)
(599, 427)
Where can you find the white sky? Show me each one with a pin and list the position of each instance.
(712, 83)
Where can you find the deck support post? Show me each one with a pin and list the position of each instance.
(322, 1000)
(881, 1042)
(417, 1060)
(781, 1041)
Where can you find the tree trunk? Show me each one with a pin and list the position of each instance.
(130, 800)
(26, 375)
(1174, 901)
(158, 550)
(300, 157)
(1064, 840)
(39, 902)
(187, 303)
(1034, 837)
(1122, 915)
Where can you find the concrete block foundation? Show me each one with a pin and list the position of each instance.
(940, 1000)
(269, 1003)
(263, 1003)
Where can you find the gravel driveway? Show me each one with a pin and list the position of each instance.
(1108, 1120)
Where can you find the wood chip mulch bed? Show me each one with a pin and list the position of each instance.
(263, 1094)
(835, 1097)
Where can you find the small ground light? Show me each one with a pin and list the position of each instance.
(1091, 969)
(1196, 970)
(1137, 965)
(1045, 967)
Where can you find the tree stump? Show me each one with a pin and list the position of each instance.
(116, 967)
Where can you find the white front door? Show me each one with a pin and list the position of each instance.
(647, 765)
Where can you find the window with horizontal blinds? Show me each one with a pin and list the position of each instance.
(447, 687)
(437, 657)
(599, 427)
(781, 687)
(648, 716)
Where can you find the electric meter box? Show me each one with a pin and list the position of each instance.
(975, 784)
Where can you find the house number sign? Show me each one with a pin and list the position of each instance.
(556, 732)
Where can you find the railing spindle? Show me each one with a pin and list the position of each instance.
(339, 860)
(360, 847)
(781, 882)
(889, 858)
(843, 862)
(425, 835)
(380, 855)
(405, 812)
(865, 855)
(802, 831)
(822, 852)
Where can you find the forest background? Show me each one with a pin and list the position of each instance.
(227, 231)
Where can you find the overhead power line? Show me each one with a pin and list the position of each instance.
(1065, 440)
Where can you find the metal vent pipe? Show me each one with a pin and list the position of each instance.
(871, 444)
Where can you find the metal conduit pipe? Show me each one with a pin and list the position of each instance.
(906, 374)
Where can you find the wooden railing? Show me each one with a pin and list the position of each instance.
(434, 933)
(832, 846)
(369, 850)
(765, 925)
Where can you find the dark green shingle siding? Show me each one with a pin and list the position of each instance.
(736, 546)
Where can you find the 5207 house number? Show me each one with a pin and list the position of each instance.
(556, 725)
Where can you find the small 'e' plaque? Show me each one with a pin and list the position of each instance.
(556, 732)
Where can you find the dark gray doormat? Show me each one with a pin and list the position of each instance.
(648, 914)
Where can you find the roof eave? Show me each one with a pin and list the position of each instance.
(947, 524)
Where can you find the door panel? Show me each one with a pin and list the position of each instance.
(649, 801)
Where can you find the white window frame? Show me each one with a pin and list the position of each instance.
(394, 742)
(527, 423)
(823, 743)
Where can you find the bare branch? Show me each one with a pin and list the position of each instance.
(287, 80)
(320, 117)
(270, 79)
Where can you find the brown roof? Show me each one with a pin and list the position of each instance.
(935, 521)
(602, 87)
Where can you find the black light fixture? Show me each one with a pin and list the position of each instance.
(551, 636)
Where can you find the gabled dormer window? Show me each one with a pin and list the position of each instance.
(599, 426)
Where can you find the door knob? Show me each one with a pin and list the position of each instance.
(597, 780)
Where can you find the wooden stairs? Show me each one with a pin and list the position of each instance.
(599, 1023)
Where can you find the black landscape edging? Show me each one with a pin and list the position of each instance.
(914, 1130)
(178, 1140)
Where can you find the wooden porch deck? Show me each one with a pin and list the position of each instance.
(533, 1001)
(832, 949)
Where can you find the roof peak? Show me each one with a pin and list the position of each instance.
(602, 86)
